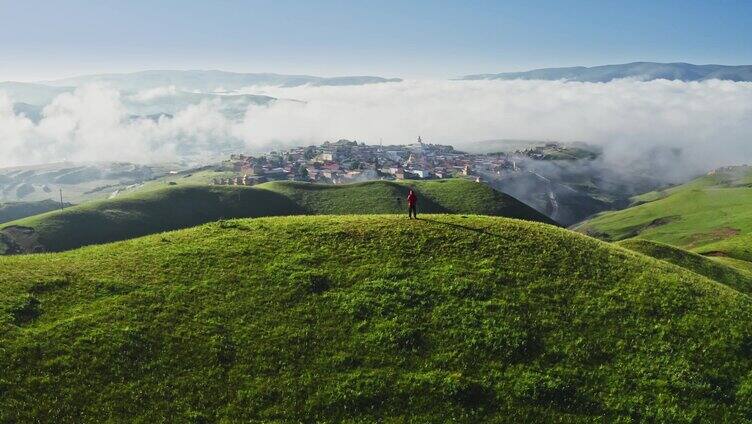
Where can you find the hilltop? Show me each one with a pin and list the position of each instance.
(454, 195)
(709, 215)
(644, 71)
(180, 206)
(368, 318)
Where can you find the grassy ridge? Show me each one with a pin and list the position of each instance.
(163, 209)
(151, 212)
(736, 263)
(730, 274)
(709, 214)
(439, 196)
(368, 318)
(738, 247)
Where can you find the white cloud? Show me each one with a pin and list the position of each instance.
(712, 118)
(710, 121)
(92, 124)
(153, 94)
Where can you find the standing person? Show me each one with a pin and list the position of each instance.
(412, 200)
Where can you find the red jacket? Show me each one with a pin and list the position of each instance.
(411, 198)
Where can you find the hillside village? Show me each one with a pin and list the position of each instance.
(348, 161)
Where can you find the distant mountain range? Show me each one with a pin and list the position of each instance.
(644, 71)
(211, 81)
(158, 93)
(32, 93)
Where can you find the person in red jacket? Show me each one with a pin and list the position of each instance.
(412, 200)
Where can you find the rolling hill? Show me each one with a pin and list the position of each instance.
(644, 71)
(729, 274)
(709, 215)
(12, 211)
(369, 319)
(181, 206)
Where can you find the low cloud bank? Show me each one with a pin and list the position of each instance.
(702, 124)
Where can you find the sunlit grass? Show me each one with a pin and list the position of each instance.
(368, 318)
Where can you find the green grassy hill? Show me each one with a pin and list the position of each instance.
(12, 211)
(730, 274)
(172, 207)
(711, 214)
(369, 318)
(437, 196)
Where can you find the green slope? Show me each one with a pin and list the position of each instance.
(730, 274)
(12, 211)
(709, 214)
(736, 263)
(172, 207)
(368, 318)
(147, 212)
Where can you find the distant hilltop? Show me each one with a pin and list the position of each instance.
(644, 71)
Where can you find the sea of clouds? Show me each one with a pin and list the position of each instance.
(709, 122)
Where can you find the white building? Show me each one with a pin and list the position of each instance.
(421, 173)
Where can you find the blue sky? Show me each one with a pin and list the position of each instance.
(48, 39)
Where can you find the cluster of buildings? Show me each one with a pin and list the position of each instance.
(348, 161)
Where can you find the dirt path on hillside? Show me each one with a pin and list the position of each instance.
(17, 239)
(712, 236)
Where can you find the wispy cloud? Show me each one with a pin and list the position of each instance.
(710, 121)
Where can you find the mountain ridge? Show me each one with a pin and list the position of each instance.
(645, 71)
(210, 80)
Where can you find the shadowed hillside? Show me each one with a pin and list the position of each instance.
(16, 210)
